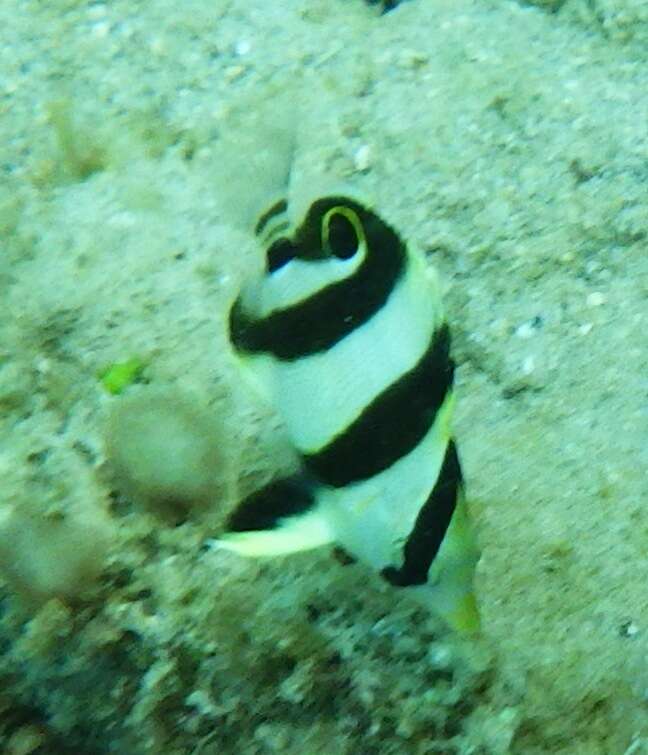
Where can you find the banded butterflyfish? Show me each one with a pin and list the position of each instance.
(346, 335)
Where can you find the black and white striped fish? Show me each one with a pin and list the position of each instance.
(345, 332)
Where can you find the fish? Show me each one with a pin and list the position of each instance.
(344, 334)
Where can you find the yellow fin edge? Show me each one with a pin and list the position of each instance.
(294, 534)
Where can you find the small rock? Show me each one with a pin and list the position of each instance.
(362, 158)
(596, 299)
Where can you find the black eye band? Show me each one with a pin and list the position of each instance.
(279, 254)
(342, 237)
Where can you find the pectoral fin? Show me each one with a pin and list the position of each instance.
(280, 518)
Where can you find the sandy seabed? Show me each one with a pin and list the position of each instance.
(510, 143)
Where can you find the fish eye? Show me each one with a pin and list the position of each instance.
(279, 254)
(341, 233)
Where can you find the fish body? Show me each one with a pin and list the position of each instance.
(345, 334)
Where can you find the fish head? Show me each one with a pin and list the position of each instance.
(328, 245)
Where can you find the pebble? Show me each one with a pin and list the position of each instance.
(243, 47)
(232, 73)
(362, 158)
(526, 330)
(528, 365)
(413, 58)
(596, 299)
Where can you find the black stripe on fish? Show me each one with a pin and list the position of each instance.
(279, 254)
(392, 424)
(320, 321)
(265, 508)
(431, 525)
(277, 209)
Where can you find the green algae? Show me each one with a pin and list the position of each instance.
(117, 377)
